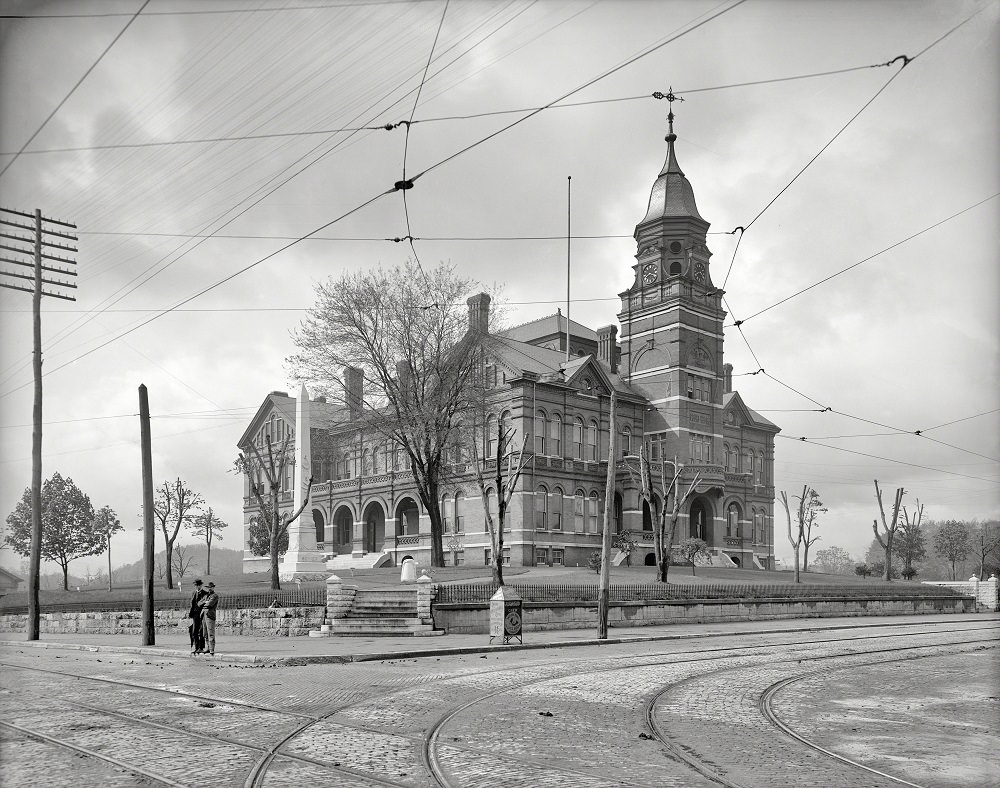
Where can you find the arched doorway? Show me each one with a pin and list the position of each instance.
(343, 531)
(374, 528)
(619, 525)
(320, 525)
(650, 559)
(407, 518)
(647, 518)
(699, 519)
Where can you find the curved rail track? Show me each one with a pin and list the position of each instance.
(429, 743)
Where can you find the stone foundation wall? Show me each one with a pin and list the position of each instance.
(283, 622)
(473, 618)
(986, 592)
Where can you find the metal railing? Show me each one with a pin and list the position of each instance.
(481, 592)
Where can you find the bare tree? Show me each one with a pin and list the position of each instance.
(207, 526)
(107, 523)
(265, 472)
(174, 507)
(813, 508)
(797, 536)
(909, 542)
(406, 331)
(889, 528)
(180, 560)
(670, 511)
(986, 540)
(507, 465)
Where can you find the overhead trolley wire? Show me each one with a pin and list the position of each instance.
(906, 61)
(207, 11)
(73, 89)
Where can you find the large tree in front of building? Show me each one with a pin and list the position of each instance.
(174, 505)
(407, 329)
(68, 526)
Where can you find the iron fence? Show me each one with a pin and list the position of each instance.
(481, 592)
(306, 597)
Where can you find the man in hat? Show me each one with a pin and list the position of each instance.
(208, 604)
(194, 613)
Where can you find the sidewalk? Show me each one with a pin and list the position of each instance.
(308, 650)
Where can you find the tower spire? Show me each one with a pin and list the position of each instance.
(671, 166)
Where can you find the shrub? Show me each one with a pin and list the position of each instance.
(594, 562)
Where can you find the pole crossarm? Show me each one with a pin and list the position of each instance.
(44, 219)
(45, 231)
(23, 240)
(31, 265)
(43, 293)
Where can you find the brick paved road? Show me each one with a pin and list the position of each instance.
(573, 717)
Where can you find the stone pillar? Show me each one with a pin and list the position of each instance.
(338, 599)
(302, 561)
(425, 592)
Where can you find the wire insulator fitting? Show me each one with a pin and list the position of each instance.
(403, 185)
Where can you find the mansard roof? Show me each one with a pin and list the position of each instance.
(671, 195)
(732, 401)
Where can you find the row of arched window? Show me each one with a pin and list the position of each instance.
(575, 438)
(274, 429)
(554, 510)
(734, 526)
(368, 461)
(745, 462)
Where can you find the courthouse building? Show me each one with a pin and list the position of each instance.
(674, 395)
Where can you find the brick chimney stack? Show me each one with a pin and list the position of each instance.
(727, 377)
(607, 346)
(404, 375)
(479, 313)
(354, 388)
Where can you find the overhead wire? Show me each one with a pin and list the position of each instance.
(906, 61)
(75, 86)
(210, 11)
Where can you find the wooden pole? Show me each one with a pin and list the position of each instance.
(603, 595)
(569, 239)
(148, 630)
(35, 551)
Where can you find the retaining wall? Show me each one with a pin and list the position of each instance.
(984, 591)
(473, 618)
(290, 621)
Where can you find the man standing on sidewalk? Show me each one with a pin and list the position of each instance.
(196, 629)
(208, 604)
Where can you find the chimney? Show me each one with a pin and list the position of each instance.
(727, 377)
(607, 346)
(479, 313)
(354, 385)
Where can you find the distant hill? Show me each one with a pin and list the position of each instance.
(224, 562)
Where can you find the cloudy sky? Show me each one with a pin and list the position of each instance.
(192, 143)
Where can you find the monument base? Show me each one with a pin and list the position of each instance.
(303, 566)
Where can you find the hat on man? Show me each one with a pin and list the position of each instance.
(197, 582)
(211, 585)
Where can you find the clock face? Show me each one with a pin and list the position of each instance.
(699, 273)
(649, 274)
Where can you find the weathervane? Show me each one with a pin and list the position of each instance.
(671, 97)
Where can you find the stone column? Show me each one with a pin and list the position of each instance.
(425, 591)
(302, 561)
(338, 599)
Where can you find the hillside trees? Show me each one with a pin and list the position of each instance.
(835, 560)
(407, 331)
(806, 512)
(952, 541)
(909, 542)
(107, 524)
(68, 525)
(207, 526)
(986, 545)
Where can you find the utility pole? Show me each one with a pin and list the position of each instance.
(603, 595)
(148, 629)
(40, 235)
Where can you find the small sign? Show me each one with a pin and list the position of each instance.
(506, 616)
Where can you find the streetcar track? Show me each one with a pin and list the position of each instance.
(431, 739)
(711, 772)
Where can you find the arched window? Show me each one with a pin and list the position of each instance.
(592, 506)
(556, 509)
(733, 520)
(491, 438)
(591, 442)
(578, 438)
(491, 505)
(749, 464)
(458, 512)
(675, 269)
(725, 453)
(760, 468)
(375, 459)
(626, 441)
(540, 432)
(578, 511)
(541, 507)
(448, 513)
(366, 462)
(511, 441)
(555, 436)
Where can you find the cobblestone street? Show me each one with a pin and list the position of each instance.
(914, 702)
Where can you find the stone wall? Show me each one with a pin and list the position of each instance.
(473, 618)
(283, 622)
(984, 591)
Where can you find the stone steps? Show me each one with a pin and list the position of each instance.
(379, 613)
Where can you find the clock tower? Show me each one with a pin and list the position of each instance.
(671, 320)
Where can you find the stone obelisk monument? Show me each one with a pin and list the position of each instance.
(303, 560)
